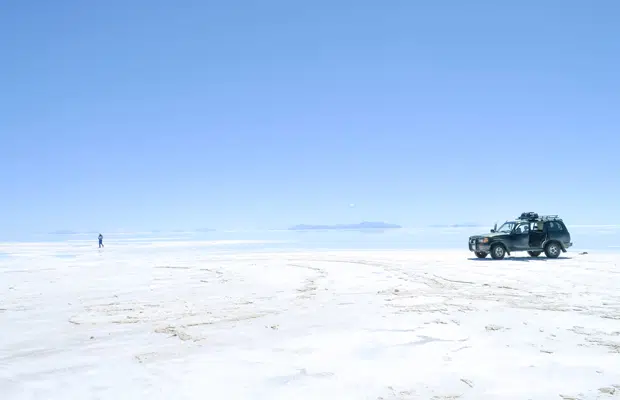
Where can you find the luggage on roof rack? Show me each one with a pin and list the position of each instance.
(529, 216)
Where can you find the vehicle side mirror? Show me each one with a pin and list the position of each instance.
(493, 230)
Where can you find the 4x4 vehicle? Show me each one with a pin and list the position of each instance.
(530, 232)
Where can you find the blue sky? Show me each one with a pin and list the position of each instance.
(263, 114)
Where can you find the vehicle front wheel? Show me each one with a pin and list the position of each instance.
(498, 252)
(534, 253)
(481, 254)
(553, 250)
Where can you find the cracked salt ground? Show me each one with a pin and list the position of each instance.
(181, 322)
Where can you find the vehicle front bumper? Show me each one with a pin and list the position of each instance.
(476, 245)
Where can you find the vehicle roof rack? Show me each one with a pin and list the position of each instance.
(550, 218)
(532, 216)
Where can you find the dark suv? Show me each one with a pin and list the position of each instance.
(530, 232)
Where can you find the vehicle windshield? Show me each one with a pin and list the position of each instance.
(507, 227)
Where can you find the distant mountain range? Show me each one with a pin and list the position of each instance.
(362, 225)
(64, 232)
(462, 225)
(70, 232)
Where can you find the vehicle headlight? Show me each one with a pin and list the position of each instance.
(484, 240)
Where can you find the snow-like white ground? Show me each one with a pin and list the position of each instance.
(196, 321)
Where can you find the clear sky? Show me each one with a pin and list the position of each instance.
(262, 114)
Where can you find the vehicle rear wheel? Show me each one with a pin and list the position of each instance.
(481, 254)
(534, 253)
(553, 250)
(498, 252)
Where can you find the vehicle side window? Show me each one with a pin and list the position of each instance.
(554, 227)
(523, 228)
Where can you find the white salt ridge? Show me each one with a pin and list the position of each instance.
(181, 322)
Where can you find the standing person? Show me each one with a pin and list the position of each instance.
(101, 241)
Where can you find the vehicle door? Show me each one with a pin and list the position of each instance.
(537, 235)
(520, 236)
(555, 231)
